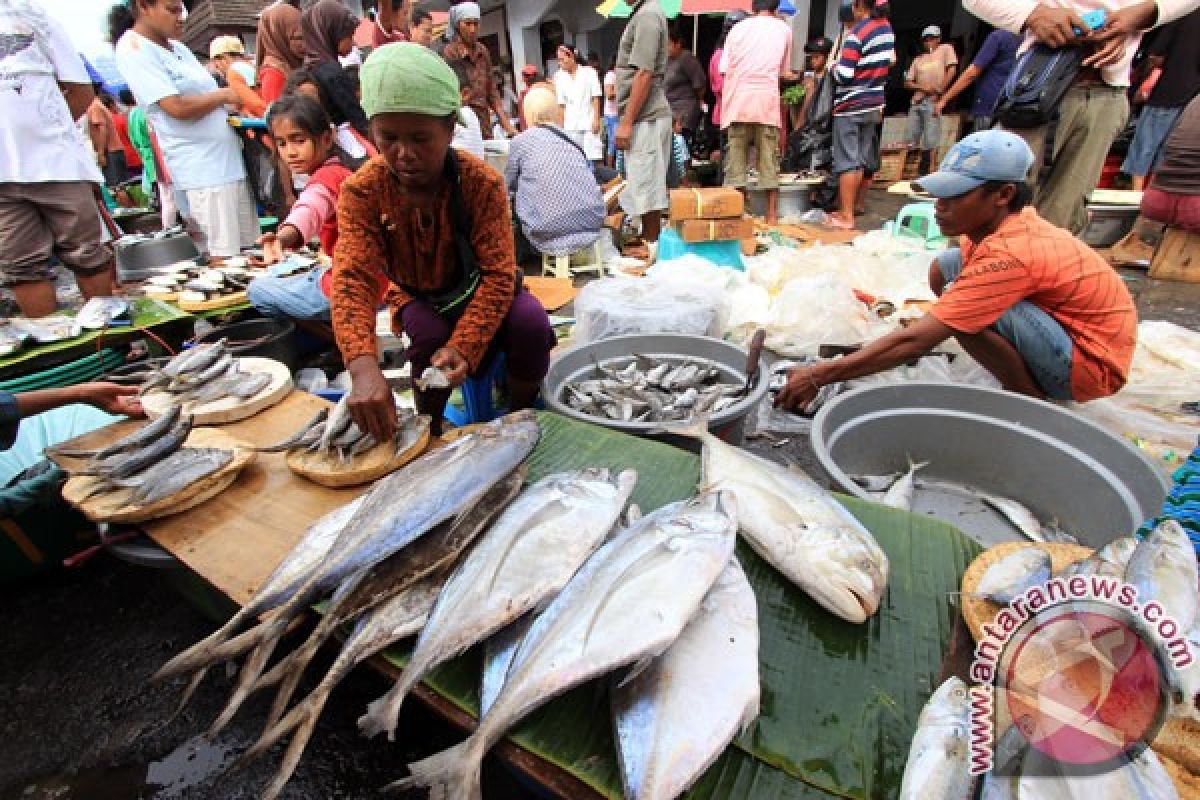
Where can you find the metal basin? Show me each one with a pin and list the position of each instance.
(1070, 473)
(578, 363)
(793, 200)
(139, 258)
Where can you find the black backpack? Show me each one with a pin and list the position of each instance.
(1035, 88)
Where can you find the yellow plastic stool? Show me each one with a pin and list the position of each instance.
(588, 259)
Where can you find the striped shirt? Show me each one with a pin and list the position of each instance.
(862, 69)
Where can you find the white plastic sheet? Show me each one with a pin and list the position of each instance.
(617, 306)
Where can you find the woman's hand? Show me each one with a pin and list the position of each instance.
(112, 397)
(452, 364)
(371, 403)
(272, 248)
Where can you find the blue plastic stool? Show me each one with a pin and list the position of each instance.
(723, 254)
(476, 394)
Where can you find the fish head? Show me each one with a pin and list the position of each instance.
(854, 571)
(950, 703)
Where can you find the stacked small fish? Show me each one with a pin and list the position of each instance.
(206, 373)
(151, 463)
(334, 432)
(648, 389)
(189, 283)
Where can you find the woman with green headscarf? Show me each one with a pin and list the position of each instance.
(433, 225)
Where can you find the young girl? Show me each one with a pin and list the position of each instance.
(304, 139)
(354, 148)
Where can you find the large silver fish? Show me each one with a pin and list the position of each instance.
(498, 654)
(527, 557)
(142, 437)
(628, 603)
(799, 528)
(938, 765)
(123, 465)
(179, 471)
(674, 718)
(1163, 569)
(395, 512)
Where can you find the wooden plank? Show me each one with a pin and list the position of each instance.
(1177, 257)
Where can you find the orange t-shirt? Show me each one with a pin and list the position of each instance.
(1027, 258)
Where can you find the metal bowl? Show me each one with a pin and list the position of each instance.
(579, 362)
(139, 258)
(1063, 468)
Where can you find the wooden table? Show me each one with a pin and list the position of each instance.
(234, 540)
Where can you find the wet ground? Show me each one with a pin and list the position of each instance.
(78, 720)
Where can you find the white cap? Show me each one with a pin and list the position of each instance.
(932, 30)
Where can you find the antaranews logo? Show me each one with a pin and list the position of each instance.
(1073, 678)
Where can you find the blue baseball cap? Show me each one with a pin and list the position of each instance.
(981, 157)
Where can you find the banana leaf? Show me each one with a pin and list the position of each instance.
(839, 701)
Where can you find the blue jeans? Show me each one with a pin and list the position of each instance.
(610, 127)
(1145, 151)
(1042, 342)
(294, 296)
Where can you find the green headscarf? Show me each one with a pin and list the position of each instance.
(408, 78)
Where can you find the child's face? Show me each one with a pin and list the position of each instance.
(677, 124)
(299, 149)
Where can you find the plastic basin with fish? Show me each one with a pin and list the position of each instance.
(1066, 470)
(578, 363)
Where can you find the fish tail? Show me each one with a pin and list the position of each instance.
(291, 756)
(449, 775)
(199, 655)
(246, 679)
(384, 712)
(190, 690)
(695, 427)
(286, 690)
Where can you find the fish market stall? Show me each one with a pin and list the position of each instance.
(836, 716)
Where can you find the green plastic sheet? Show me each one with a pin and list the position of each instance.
(839, 701)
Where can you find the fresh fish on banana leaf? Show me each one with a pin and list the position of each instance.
(650, 389)
(99, 312)
(1015, 573)
(627, 604)
(674, 718)
(938, 765)
(391, 600)
(395, 512)
(498, 654)
(531, 552)
(798, 528)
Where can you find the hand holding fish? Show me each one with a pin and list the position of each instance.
(801, 389)
(370, 401)
(452, 365)
(112, 397)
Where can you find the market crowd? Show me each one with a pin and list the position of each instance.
(383, 162)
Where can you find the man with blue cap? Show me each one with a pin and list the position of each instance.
(1036, 307)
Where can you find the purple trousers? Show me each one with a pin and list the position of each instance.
(525, 337)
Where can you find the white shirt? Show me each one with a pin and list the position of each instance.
(202, 153)
(575, 94)
(467, 135)
(39, 142)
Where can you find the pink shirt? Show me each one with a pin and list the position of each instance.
(716, 82)
(757, 50)
(1010, 15)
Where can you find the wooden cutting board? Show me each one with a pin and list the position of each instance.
(229, 409)
(113, 507)
(325, 469)
(217, 303)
